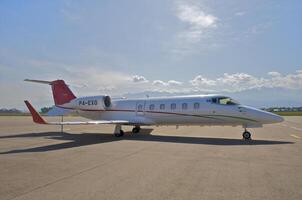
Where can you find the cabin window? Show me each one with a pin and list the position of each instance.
(140, 107)
(173, 106)
(196, 105)
(184, 106)
(214, 100)
(162, 107)
(151, 107)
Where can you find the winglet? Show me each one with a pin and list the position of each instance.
(35, 115)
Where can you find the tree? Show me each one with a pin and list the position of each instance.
(45, 110)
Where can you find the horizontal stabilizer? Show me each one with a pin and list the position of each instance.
(57, 111)
(39, 81)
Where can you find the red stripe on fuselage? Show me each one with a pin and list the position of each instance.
(156, 112)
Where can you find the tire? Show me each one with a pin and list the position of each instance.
(246, 135)
(136, 130)
(120, 134)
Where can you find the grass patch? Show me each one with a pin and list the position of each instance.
(14, 114)
(289, 113)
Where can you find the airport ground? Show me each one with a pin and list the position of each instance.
(88, 162)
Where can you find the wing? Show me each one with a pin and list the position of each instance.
(39, 120)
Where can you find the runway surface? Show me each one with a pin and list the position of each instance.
(88, 162)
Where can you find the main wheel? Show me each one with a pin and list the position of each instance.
(136, 129)
(246, 135)
(120, 134)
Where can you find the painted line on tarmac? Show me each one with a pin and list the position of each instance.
(299, 129)
(295, 136)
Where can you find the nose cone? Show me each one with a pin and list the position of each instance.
(269, 118)
(262, 116)
(273, 118)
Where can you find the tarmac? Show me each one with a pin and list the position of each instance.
(88, 162)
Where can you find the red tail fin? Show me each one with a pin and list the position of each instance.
(61, 92)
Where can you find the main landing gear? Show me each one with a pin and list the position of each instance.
(246, 135)
(118, 132)
(136, 129)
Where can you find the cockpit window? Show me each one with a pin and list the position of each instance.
(226, 101)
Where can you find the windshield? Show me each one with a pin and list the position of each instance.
(224, 101)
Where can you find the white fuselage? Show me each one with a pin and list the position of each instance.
(181, 110)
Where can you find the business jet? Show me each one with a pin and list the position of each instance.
(178, 110)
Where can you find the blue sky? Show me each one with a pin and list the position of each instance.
(247, 49)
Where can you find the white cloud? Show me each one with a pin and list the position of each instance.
(139, 79)
(241, 81)
(240, 13)
(92, 80)
(237, 78)
(170, 83)
(289, 81)
(259, 28)
(201, 81)
(69, 15)
(107, 89)
(195, 16)
(174, 83)
(120, 83)
(198, 20)
(274, 73)
(159, 83)
(299, 71)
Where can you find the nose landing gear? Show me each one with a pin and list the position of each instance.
(246, 135)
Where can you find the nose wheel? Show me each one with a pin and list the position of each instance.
(246, 135)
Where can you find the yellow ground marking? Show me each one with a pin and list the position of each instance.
(295, 136)
(299, 129)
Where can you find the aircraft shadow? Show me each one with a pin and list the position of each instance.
(84, 139)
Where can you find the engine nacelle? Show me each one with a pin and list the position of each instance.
(92, 103)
